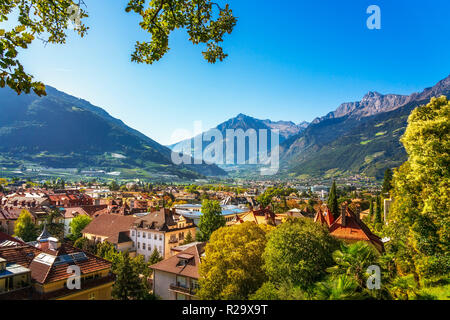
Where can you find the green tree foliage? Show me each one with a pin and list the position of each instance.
(282, 291)
(419, 222)
(37, 19)
(77, 225)
(128, 284)
(378, 218)
(54, 227)
(353, 260)
(264, 200)
(210, 220)
(155, 257)
(205, 21)
(232, 266)
(387, 181)
(298, 251)
(113, 186)
(189, 238)
(333, 200)
(343, 287)
(371, 211)
(25, 227)
(85, 245)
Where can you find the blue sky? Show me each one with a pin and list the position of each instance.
(288, 60)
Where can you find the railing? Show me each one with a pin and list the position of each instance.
(178, 287)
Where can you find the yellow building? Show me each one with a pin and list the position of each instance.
(47, 270)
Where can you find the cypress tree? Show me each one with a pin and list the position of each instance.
(378, 211)
(371, 210)
(332, 201)
(387, 182)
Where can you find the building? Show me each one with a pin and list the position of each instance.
(161, 230)
(70, 213)
(70, 198)
(325, 218)
(176, 278)
(40, 271)
(113, 228)
(193, 211)
(261, 216)
(350, 228)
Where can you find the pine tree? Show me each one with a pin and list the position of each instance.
(189, 238)
(155, 257)
(128, 285)
(332, 201)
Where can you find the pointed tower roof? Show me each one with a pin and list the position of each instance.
(329, 218)
(320, 218)
(44, 234)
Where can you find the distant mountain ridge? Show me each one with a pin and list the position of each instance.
(63, 131)
(245, 122)
(358, 137)
(374, 102)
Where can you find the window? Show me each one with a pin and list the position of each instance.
(160, 237)
(160, 249)
(132, 233)
(156, 236)
(181, 236)
(139, 234)
(144, 234)
(143, 246)
(139, 245)
(149, 248)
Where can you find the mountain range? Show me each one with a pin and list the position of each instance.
(62, 131)
(361, 137)
(358, 137)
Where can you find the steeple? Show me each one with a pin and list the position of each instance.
(43, 237)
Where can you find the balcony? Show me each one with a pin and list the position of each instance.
(177, 287)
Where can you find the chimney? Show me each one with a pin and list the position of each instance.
(343, 214)
(54, 243)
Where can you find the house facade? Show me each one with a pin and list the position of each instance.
(176, 278)
(161, 230)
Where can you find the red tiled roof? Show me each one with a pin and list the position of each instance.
(354, 230)
(110, 225)
(45, 273)
(192, 254)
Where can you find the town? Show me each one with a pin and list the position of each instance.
(161, 230)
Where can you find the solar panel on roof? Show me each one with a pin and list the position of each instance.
(79, 256)
(63, 259)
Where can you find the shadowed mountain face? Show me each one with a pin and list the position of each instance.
(62, 131)
(359, 137)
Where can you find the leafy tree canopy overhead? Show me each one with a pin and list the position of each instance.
(206, 22)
